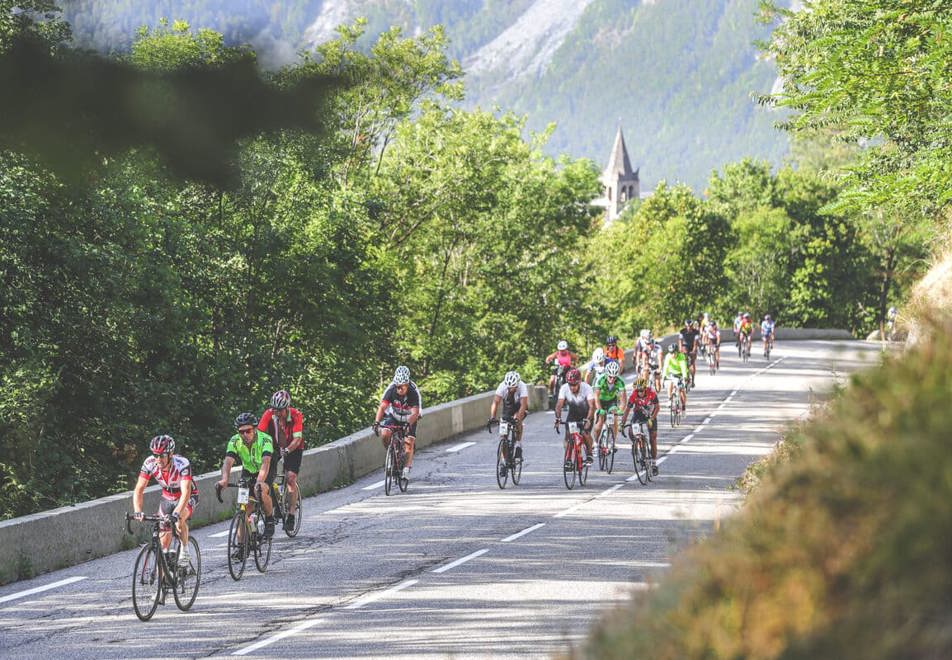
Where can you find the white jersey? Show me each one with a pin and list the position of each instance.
(521, 390)
(585, 394)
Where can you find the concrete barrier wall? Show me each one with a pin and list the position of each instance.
(70, 535)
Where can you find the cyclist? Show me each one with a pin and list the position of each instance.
(642, 347)
(613, 353)
(179, 493)
(687, 341)
(737, 322)
(712, 336)
(254, 450)
(581, 401)
(596, 367)
(676, 367)
(652, 370)
(767, 330)
(401, 404)
(565, 360)
(703, 323)
(644, 406)
(746, 330)
(285, 425)
(514, 396)
(609, 391)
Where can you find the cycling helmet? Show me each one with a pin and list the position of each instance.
(611, 369)
(280, 400)
(766, 317)
(641, 383)
(714, 324)
(611, 339)
(746, 315)
(245, 419)
(705, 316)
(645, 333)
(673, 348)
(511, 379)
(598, 356)
(401, 376)
(688, 322)
(563, 345)
(573, 377)
(162, 444)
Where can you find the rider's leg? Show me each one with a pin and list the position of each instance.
(385, 437)
(599, 423)
(552, 384)
(409, 444)
(266, 503)
(293, 490)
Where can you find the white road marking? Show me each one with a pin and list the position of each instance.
(281, 635)
(218, 534)
(522, 533)
(609, 491)
(373, 486)
(370, 598)
(707, 420)
(36, 590)
(459, 447)
(461, 560)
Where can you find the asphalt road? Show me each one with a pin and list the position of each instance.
(455, 566)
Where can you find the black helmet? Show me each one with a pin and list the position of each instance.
(245, 419)
(611, 339)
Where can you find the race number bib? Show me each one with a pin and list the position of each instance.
(503, 428)
(242, 496)
(573, 427)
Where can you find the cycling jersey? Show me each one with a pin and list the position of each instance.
(714, 337)
(283, 431)
(676, 365)
(252, 457)
(746, 328)
(511, 401)
(608, 393)
(616, 354)
(577, 403)
(688, 337)
(638, 401)
(178, 471)
(563, 358)
(767, 328)
(399, 408)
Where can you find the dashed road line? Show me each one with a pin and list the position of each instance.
(373, 486)
(374, 597)
(519, 535)
(461, 560)
(281, 635)
(37, 590)
(459, 447)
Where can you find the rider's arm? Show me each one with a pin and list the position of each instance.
(523, 407)
(494, 405)
(265, 465)
(414, 415)
(138, 493)
(551, 357)
(297, 431)
(598, 401)
(381, 409)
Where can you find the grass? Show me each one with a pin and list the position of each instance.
(844, 548)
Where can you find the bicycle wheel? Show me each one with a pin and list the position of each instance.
(582, 468)
(237, 547)
(568, 467)
(642, 468)
(502, 469)
(610, 457)
(262, 545)
(146, 586)
(188, 575)
(389, 467)
(602, 449)
(286, 508)
(515, 471)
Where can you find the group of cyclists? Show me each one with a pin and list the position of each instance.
(260, 443)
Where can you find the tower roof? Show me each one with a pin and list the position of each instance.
(618, 161)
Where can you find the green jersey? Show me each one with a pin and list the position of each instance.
(676, 364)
(609, 393)
(250, 457)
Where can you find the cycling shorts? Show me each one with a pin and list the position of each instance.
(390, 421)
(292, 460)
(637, 418)
(252, 479)
(166, 507)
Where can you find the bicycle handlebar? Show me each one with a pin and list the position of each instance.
(242, 483)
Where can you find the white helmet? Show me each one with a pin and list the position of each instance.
(612, 369)
(563, 345)
(645, 333)
(511, 380)
(401, 376)
(598, 356)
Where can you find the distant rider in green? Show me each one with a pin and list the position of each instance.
(609, 392)
(253, 449)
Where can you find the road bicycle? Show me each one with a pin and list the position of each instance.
(768, 345)
(508, 453)
(676, 410)
(641, 452)
(155, 572)
(246, 536)
(281, 497)
(712, 361)
(559, 371)
(396, 457)
(745, 348)
(606, 441)
(575, 466)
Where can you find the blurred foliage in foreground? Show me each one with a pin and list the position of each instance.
(842, 551)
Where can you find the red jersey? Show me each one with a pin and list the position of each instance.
(283, 431)
(649, 400)
(171, 479)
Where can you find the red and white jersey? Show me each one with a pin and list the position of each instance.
(171, 478)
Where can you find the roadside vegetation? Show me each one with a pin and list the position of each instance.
(162, 276)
